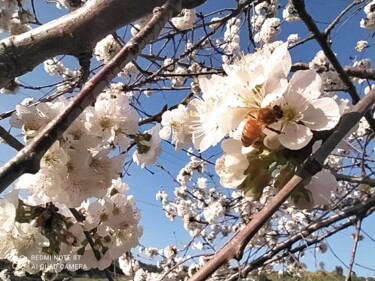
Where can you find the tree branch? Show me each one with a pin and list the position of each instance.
(28, 159)
(9, 139)
(74, 34)
(359, 211)
(357, 72)
(354, 250)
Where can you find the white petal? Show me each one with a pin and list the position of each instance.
(295, 136)
(166, 118)
(231, 119)
(231, 146)
(280, 64)
(165, 132)
(205, 84)
(322, 114)
(294, 101)
(274, 94)
(306, 83)
(282, 57)
(321, 186)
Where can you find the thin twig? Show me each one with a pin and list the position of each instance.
(9, 139)
(328, 30)
(354, 250)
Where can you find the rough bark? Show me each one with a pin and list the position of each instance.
(74, 34)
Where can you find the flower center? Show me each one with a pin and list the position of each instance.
(105, 122)
(291, 115)
(175, 126)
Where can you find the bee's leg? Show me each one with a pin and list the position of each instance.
(275, 130)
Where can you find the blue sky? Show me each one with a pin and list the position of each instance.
(159, 231)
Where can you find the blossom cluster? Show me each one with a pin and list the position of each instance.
(263, 112)
(369, 21)
(14, 18)
(81, 165)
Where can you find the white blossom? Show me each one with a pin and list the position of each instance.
(318, 191)
(361, 45)
(177, 123)
(303, 111)
(269, 31)
(185, 20)
(152, 148)
(369, 21)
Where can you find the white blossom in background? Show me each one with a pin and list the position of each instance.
(194, 165)
(319, 191)
(176, 122)
(364, 63)
(128, 265)
(112, 118)
(215, 22)
(293, 38)
(361, 45)
(257, 21)
(268, 8)
(213, 212)
(106, 49)
(152, 148)
(114, 215)
(231, 165)
(369, 21)
(290, 14)
(178, 81)
(319, 60)
(269, 31)
(185, 20)
(231, 36)
(303, 111)
(14, 17)
(78, 165)
(56, 67)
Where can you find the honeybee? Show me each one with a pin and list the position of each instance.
(257, 121)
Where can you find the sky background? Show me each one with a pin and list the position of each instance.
(158, 230)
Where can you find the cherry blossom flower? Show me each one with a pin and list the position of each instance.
(303, 112)
(255, 81)
(231, 166)
(150, 149)
(177, 123)
(205, 113)
(184, 20)
(319, 191)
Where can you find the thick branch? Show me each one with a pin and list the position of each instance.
(28, 159)
(74, 33)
